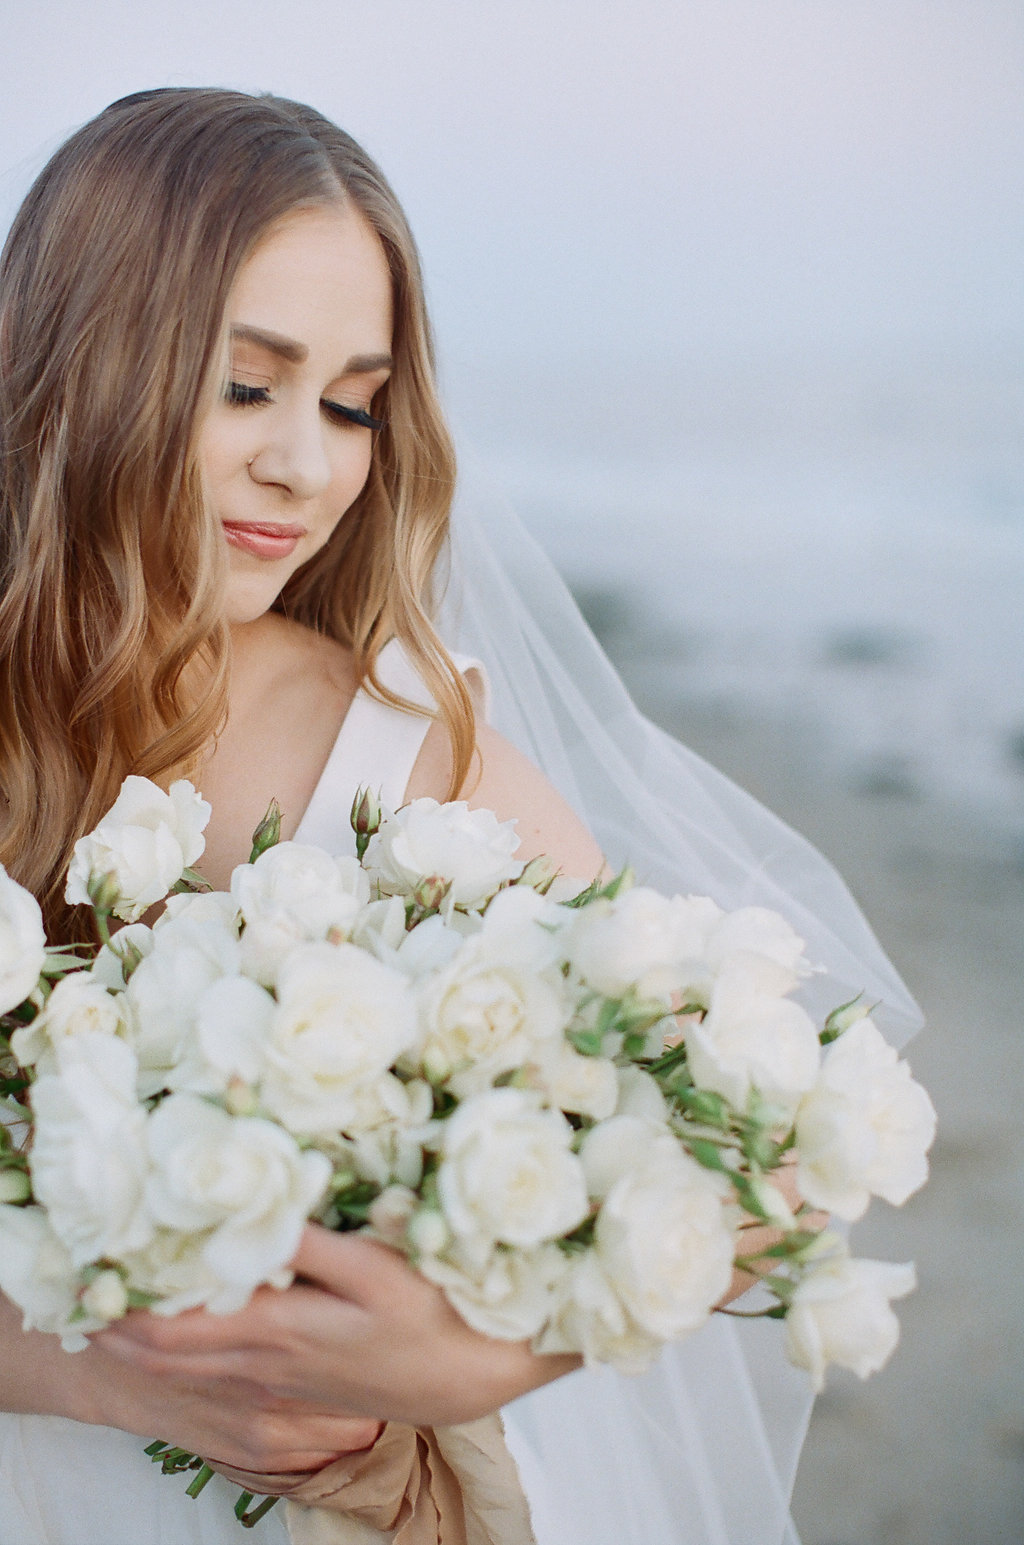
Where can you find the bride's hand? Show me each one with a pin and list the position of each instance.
(234, 1421)
(361, 1331)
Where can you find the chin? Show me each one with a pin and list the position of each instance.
(248, 602)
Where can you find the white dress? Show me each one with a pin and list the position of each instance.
(65, 1483)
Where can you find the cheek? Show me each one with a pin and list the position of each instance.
(349, 476)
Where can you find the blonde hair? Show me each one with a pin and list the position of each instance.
(113, 285)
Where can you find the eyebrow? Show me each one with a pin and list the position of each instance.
(298, 353)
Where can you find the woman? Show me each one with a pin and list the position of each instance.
(225, 496)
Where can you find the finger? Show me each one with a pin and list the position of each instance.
(349, 1265)
(197, 1330)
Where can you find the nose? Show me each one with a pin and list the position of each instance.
(294, 454)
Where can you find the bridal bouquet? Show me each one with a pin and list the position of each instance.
(566, 1109)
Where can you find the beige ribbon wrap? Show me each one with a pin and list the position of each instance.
(415, 1486)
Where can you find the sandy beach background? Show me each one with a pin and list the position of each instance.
(931, 1450)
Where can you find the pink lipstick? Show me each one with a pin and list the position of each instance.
(263, 538)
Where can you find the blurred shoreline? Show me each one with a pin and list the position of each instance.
(931, 1450)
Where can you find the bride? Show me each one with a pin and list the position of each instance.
(225, 499)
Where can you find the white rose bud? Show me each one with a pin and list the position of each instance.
(15, 1186)
(106, 1297)
(390, 1213)
(142, 846)
(428, 1232)
(22, 942)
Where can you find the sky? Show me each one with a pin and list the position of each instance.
(588, 179)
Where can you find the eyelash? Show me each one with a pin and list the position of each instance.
(248, 396)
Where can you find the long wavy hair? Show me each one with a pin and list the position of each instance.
(114, 653)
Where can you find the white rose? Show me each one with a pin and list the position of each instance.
(22, 942)
(342, 1019)
(243, 1179)
(508, 1295)
(840, 1314)
(587, 1086)
(233, 1018)
(749, 1040)
(587, 1315)
(470, 848)
(144, 842)
(89, 1152)
(615, 1146)
(508, 1173)
(483, 1015)
(294, 894)
(663, 1242)
(174, 1269)
(37, 1274)
(642, 940)
(218, 908)
(864, 1129)
(77, 1005)
(758, 941)
(189, 954)
(640, 1095)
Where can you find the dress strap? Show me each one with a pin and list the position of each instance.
(378, 745)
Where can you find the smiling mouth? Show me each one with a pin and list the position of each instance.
(263, 539)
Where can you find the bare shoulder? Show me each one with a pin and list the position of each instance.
(502, 779)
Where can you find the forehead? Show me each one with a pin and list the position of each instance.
(320, 277)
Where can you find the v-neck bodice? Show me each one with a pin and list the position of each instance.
(377, 745)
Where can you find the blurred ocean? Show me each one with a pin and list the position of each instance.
(835, 543)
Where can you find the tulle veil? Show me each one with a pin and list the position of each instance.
(702, 1449)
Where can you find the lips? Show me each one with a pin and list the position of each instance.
(265, 539)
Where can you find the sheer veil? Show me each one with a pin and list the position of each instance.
(701, 1450)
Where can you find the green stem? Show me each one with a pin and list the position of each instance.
(101, 925)
(249, 1520)
(243, 1502)
(749, 1314)
(205, 1474)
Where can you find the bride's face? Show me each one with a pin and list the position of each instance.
(286, 448)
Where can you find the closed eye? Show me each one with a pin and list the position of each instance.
(247, 396)
(352, 415)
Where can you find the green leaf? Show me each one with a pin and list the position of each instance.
(587, 1042)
